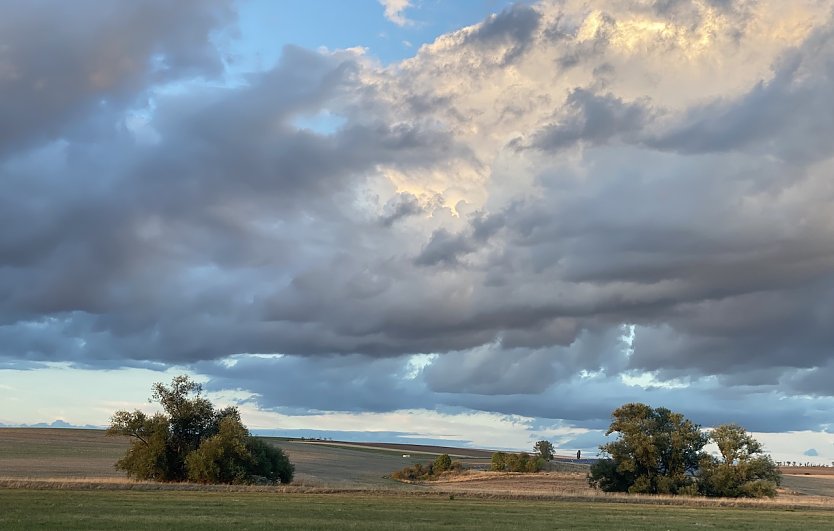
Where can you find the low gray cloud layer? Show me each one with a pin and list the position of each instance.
(539, 231)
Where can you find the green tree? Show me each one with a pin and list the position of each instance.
(148, 455)
(734, 443)
(192, 440)
(544, 449)
(499, 462)
(223, 457)
(442, 463)
(742, 470)
(656, 452)
(270, 462)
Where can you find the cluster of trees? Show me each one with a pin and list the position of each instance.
(194, 441)
(522, 462)
(661, 452)
(418, 472)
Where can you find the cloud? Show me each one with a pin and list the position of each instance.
(394, 11)
(592, 118)
(512, 29)
(546, 206)
(92, 60)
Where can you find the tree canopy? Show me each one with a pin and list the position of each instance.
(743, 471)
(660, 452)
(544, 449)
(194, 441)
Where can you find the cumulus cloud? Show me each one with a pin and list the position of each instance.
(394, 11)
(542, 206)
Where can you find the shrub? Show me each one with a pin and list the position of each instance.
(269, 461)
(417, 472)
(222, 458)
(750, 478)
(606, 476)
(499, 462)
(442, 463)
(523, 462)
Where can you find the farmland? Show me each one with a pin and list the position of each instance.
(65, 478)
(253, 510)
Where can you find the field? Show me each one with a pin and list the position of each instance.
(65, 478)
(200, 510)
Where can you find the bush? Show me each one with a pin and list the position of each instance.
(442, 463)
(269, 461)
(222, 458)
(523, 462)
(750, 478)
(417, 472)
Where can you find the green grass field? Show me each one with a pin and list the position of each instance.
(69, 509)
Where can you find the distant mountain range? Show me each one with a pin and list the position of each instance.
(53, 424)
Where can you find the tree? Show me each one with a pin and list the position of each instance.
(657, 452)
(544, 449)
(742, 471)
(734, 443)
(148, 456)
(442, 463)
(192, 440)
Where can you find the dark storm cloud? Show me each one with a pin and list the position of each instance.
(444, 248)
(358, 383)
(513, 27)
(592, 118)
(344, 383)
(400, 206)
(214, 211)
(789, 116)
(60, 64)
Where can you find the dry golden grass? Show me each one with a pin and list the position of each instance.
(574, 486)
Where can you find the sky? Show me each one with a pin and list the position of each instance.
(480, 222)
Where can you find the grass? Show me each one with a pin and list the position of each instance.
(78, 509)
(65, 479)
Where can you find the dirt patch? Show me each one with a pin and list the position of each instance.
(540, 484)
(65, 453)
(807, 470)
(410, 448)
(818, 485)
